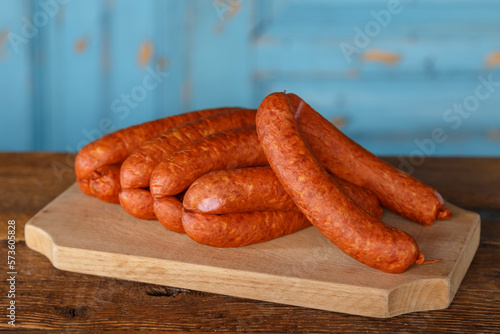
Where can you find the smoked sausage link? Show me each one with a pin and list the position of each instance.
(105, 183)
(237, 190)
(258, 189)
(113, 148)
(137, 202)
(241, 229)
(168, 211)
(396, 190)
(137, 168)
(224, 150)
(335, 215)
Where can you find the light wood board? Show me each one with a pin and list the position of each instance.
(82, 234)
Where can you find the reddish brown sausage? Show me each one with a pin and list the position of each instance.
(258, 189)
(229, 149)
(113, 148)
(105, 183)
(241, 229)
(396, 190)
(362, 196)
(137, 168)
(168, 211)
(138, 203)
(342, 221)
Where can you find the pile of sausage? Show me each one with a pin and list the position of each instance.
(232, 177)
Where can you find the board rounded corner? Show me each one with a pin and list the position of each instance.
(39, 240)
(419, 296)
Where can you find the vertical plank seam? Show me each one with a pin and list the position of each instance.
(38, 127)
(189, 29)
(105, 61)
(159, 37)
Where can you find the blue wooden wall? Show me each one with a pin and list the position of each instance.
(400, 77)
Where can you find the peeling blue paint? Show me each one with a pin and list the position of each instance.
(225, 52)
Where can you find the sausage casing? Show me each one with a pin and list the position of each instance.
(168, 210)
(224, 150)
(257, 189)
(137, 202)
(115, 147)
(137, 168)
(105, 183)
(396, 190)
(241, 229)
(335, 215)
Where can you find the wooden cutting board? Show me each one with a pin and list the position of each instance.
(82, 234)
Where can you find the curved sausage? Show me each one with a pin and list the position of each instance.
(137, 168)
(362, 196)
(241, 229)
(335, 215)
(113, 148)
(105, 183)
(396, 190)
(258, 189)
(168, 211)
(137, 202)
(229, 149)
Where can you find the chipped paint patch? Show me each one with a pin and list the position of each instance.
(61, 16)
(339, 121)
(81, 45)
(381, 56)
(3, 39)
(226, 10)
(265, 40)
(218, 28)
(163, 62)
(493, 59)
(493, 134)
(353, 73)
(145, 54)
(186, 93)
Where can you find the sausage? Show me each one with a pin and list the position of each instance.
(113, 148)
(362, 196)
(237, 190)
(241, 229)
(229, 149)
(137, 202)
(105, 183)
(137, 168)
(343, 222)
(396, 190)
(168, 210)
(258, 189)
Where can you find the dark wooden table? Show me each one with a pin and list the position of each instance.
(50, 299)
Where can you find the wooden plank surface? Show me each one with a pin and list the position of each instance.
(82, 234)
(59, 300)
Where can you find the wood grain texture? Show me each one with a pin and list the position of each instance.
(56, 300)
(82, 234)
(28, 183)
